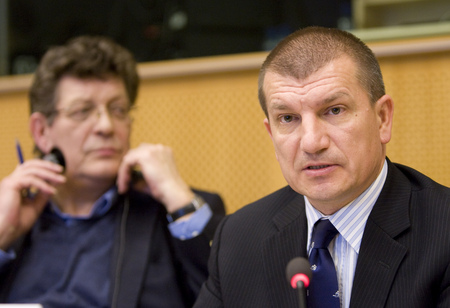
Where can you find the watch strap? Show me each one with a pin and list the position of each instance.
(193, 206)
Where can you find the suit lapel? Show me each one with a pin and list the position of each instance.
(380, 254)
(286, 241)
(131, 251)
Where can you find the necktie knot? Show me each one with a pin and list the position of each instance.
(323, 233)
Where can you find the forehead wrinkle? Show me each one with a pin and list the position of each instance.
(279, 105)
(292, 86)
(89, 100)
(304, 87)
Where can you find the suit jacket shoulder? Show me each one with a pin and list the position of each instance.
(251, 250)
(404, 259)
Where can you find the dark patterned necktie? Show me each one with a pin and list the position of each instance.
(323, 292)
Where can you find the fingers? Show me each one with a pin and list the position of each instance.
(124, 172)
(37, 175)
(18, 213)
(152, 160)
(156, 162)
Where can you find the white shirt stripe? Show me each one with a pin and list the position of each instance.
(350, 221)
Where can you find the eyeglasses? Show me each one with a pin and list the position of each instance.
(84, 112)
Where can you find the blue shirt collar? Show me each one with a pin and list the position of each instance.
(100, 208)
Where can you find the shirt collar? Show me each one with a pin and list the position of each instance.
(100, 208)
(351, 220)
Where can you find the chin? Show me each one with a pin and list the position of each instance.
(322, 192)
(101, 177)
(105, 170)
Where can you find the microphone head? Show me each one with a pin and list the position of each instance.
(298, 269)
(55, 156)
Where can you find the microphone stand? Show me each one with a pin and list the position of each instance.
(301, 294)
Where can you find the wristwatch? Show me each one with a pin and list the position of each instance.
(193, 206)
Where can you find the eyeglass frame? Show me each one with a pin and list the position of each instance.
(93, 109)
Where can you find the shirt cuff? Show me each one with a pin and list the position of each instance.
(190, 228)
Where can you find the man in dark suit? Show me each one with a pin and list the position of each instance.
(91, 234)
(330, 120)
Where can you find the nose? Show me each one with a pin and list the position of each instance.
(103, 121)
(315, 137)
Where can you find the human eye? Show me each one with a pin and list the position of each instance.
(119, 111)
(286, 118)
(335, 110)
(80, 113)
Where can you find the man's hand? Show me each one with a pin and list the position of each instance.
(19, 211)
(163, 181)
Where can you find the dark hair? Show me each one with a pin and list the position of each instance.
(309, 49)
(82, 57)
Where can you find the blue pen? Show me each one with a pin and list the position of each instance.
(19, 152)
(26, 192)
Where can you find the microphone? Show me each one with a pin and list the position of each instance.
(138, 182)
(298, 274)
(55, 156)
(136, 176)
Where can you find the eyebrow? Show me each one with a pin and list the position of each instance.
(89, 101)
(279, 106)
(334, 97)
(326, 101)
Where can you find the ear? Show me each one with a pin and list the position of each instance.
(267, 125)
(40, 129)
(384, 108)
(269, 130)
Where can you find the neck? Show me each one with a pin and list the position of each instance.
(77, 198)
(328, 210)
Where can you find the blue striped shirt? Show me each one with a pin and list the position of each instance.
(350, 221)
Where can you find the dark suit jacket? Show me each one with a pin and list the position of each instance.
(404, 259)
(150, 268)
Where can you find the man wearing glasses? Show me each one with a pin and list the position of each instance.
(87, 236)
